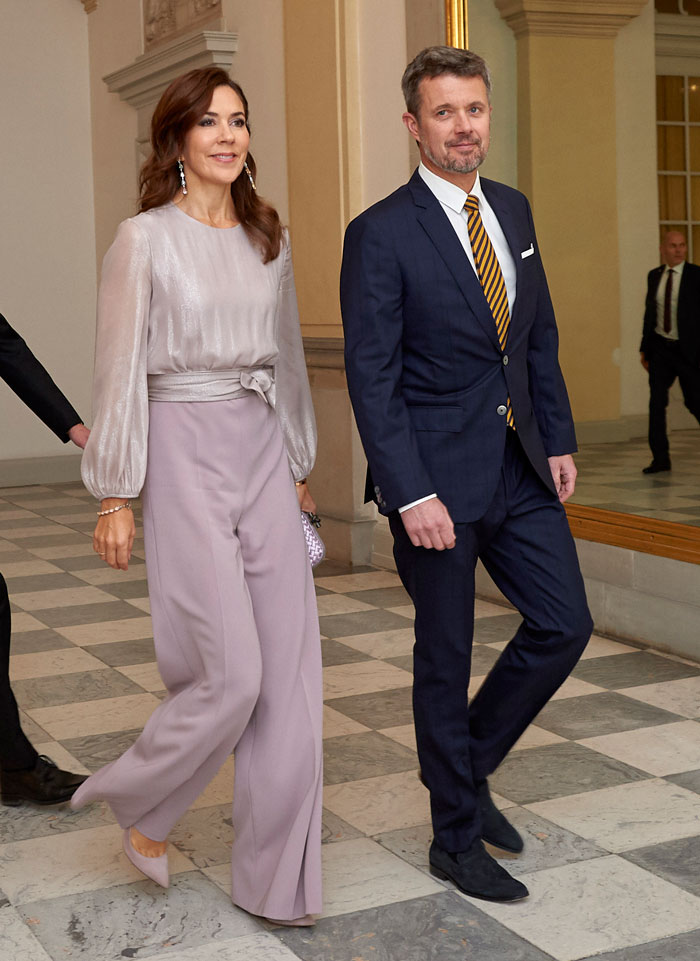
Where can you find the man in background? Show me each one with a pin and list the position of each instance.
(670, 345)
(24, 774)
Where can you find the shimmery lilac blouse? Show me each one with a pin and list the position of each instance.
(190, 312)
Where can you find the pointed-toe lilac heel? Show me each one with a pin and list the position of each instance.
(154, 868)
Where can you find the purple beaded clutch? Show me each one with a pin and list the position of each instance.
(314, 545)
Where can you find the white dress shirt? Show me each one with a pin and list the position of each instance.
(452, 200)
(677, 271)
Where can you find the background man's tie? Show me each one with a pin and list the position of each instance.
(667, 302)
(489, 271)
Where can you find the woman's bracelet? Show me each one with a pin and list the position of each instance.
(113, 510)
(300, 483)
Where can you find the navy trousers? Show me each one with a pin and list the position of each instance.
(525, 544)
(16, 752)
(667, 361)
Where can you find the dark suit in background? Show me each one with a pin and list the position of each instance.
(668, 359)
(429, 384)
(21, 371)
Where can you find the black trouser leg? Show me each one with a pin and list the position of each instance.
(16, 752)
(662, 374)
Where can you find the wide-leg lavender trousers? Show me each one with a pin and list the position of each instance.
(237, 642)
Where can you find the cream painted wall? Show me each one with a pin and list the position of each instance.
(259, 68)
(116, 38)
(491, 37)
(47, 247)
(637, 193)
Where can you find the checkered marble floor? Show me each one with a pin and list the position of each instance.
(604, 786)
(610, 477)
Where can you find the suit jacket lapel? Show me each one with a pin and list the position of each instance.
(433, 220)
(507, 222)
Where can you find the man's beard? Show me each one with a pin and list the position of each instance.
(456, 166)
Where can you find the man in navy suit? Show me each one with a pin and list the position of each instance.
(670, 346)
(451, 358)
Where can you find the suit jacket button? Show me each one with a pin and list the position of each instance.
(505, 360)
(501, 409)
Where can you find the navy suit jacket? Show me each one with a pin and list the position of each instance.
(425, 371)
(688, 315)
(32, 383)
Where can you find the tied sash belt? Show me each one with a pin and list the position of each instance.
(208, 385)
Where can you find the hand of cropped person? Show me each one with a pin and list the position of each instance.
(114, 534)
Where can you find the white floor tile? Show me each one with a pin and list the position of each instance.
(336, 724)
(95, 717)
(16, 939)
(346, 583)
(63, 597)
(60, 864)
(681, 697)
(250, 947)
(628, 816)
(379, 804)
(364, 677)
(360, 874)
(661, 750)
(604, 647)
(404, 734)
(340, 604)
(105, 632)
(589, 907)
(52, 663)
(574, 687)
(147, 675)
(383, 644)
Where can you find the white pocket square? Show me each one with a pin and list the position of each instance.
(529, 252)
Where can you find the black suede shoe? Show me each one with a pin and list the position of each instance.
(495, 829)
(46, 783)
(657, 466)
(476, 873)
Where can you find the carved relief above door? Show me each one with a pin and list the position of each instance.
(165, 19)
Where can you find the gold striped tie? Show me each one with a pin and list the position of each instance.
(489, 271)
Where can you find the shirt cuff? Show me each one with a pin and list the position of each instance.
(421, 500)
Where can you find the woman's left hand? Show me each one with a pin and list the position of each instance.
(306, 501)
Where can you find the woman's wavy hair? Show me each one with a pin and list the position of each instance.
(183, 105)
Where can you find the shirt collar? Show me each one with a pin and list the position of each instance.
(678, 269)
(448, 193)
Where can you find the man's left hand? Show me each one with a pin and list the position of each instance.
(79, 435)
(564, 475)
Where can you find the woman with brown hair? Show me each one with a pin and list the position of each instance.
(202, 399)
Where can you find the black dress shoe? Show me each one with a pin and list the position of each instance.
(657, 466)
(494, 827)
(476, 873)
(45, 783)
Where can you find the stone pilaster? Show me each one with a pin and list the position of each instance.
(568, 18)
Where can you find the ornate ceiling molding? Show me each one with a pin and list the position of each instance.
(677, 36)
(89, 5)
(568, 18)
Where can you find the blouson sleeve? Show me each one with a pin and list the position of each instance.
(114, 460)
(291, 392)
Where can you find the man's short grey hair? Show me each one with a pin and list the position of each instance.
(434, 61)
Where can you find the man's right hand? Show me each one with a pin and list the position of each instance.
(645, 362)
(429, 525)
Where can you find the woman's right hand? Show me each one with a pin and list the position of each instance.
(114, 534)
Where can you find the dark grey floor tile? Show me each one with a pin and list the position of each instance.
(405, 662)
(11, 556)
(594, 714)
(542, 773)
(334, 653)
(352, 757)
(378, 709)
(87, 614)
(632, 670)
(87, 562)
(440, 927)
(205, 835)
(121, 653)
(34, 642)
(546, 844)
(320, 591)
(330, 568)
(4, 900)
(17, 522)
(29, 821)
(362, 622)
(42, 582)
(500, 627)
(383, 596)
(126, 589)
(137, 920)
(676, 861)
(334, 828)
(95, 750)
(682, 947)
(483, 659)
(410, 844)
(689, 780)
(55, 540)
(71, 688)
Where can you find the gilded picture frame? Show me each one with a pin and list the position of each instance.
(456, 23)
